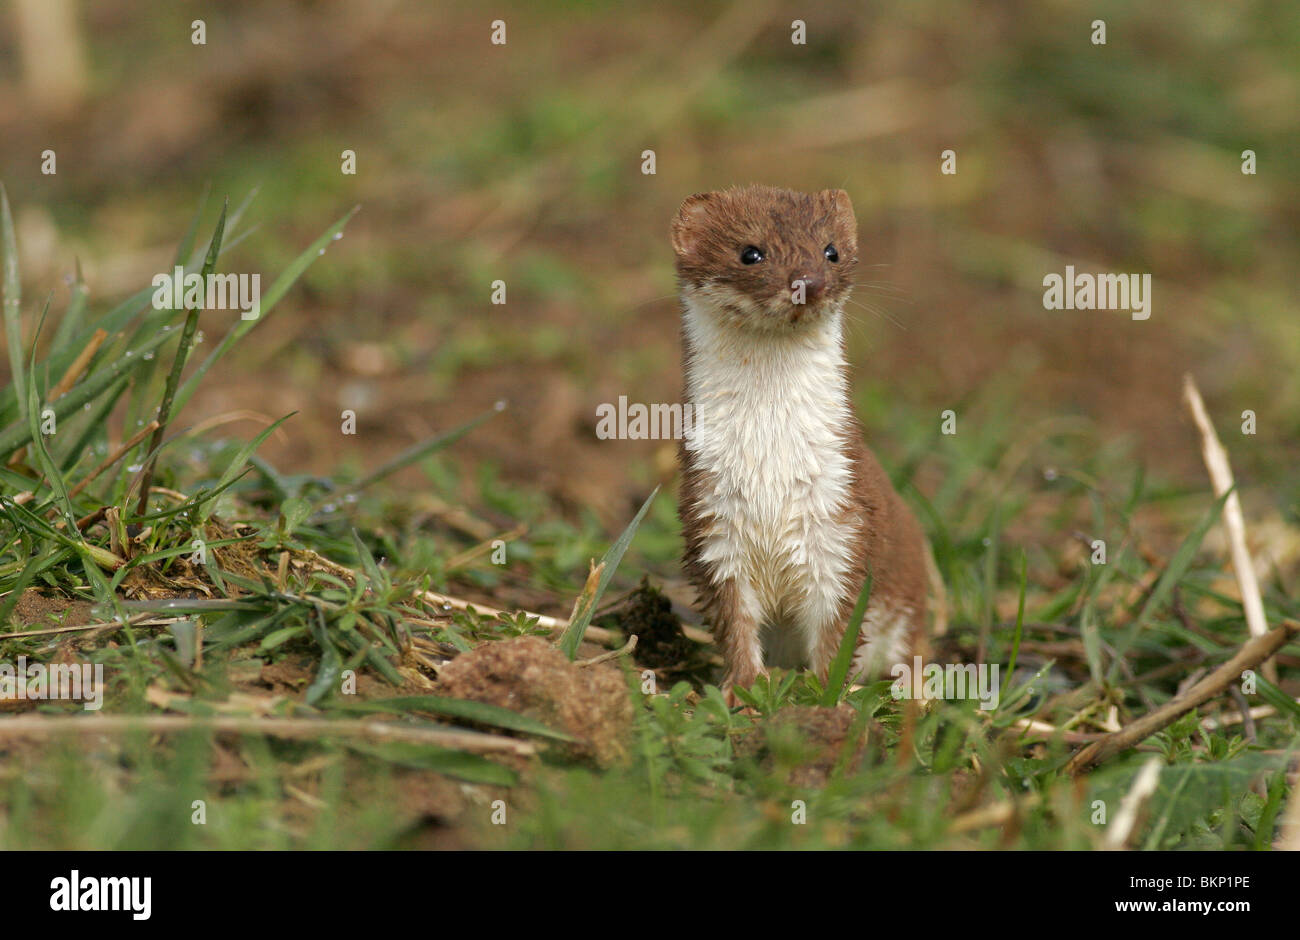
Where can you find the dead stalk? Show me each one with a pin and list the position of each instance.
(473, 741)
(1250, 656)
(1234, 522)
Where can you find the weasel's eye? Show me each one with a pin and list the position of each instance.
(831, 254)
(750, 255)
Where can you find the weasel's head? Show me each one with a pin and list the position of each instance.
(766, 258)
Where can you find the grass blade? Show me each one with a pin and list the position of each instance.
(268, 301)
(1173, 572)
(473, 768)
(465, 709)
(236, 467)
(1270, 693)
(837, 677)
(1020, 617)
(186, 247)
(406, 458)
(53, 478)
(75, 314)
(178, 364)
(577, 628)
(12, 301)
(331, 662)
(19, 434)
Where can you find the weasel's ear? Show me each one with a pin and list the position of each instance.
(688, 222)
(842, 205)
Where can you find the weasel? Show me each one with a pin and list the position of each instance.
(784, 510)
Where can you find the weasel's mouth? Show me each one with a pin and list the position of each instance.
(766, 311)
(794, 313)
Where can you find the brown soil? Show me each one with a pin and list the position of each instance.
(661, 644)
(531, 677)
(36, 609)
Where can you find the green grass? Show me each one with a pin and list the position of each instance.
(700, 774)
(1124, 155)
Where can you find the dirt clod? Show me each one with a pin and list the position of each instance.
(529, 676)
(648, 613)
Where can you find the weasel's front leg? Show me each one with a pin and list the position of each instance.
(827, 614)
(736, 623)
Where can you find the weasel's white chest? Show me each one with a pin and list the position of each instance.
(770, 417)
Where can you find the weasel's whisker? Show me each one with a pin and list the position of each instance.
(881, 287)
(653, 300)
(879, 311)
(893, 293)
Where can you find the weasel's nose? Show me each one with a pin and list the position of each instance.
(814, 285)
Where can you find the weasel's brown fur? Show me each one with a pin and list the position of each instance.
(747, 307)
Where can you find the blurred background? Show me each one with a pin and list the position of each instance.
(523, 162)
